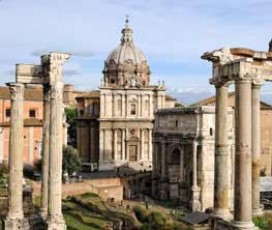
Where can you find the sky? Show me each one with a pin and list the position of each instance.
(173, 34)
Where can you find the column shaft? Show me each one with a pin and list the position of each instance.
(256, 151)
(15, 182)
(55, 218)
(221, 180)
(163, 161)
(45, 152)
(243, 174)
(195, 203)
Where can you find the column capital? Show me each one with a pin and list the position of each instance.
(16, 90)
(257, 83)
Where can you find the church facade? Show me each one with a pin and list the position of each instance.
(115, 124)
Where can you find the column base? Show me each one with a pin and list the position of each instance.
(15, 224)
(244, 225)
(223, 214)
(257, 212)
(56, 225)
(195, 203)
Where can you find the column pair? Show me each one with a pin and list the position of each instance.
(247, 156)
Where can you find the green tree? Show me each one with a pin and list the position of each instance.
(71, 160)
(71, 114)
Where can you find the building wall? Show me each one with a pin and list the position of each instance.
(176, 132)
(126, 125)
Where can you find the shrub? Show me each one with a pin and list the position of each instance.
(3, 168)
(156, 219)
(140, 213)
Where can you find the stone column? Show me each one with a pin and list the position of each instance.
(195, 204)
(221, 180)
(115, 145)
(256, 149)
(149, 156)
(15, 218)
(55, 218)
(163, 160)
(243, 173)
(45, 151)
(123, 144)
(142, 156)
(163, 182)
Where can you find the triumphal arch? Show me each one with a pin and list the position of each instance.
(248, 70)
(49, 75)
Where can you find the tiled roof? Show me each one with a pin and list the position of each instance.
(31, 94)
(211, 101)
(94, 93)
(169, 98)
(196, 218)
(27, 122)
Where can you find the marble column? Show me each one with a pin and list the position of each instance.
(15, 218)
(243, 172)
(55, 218)
(222, 155)
(195, 203)
(256, 149)
(45, 151)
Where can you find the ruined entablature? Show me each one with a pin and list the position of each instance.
(239, 64)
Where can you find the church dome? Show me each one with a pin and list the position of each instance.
(126, 65)
(126, 50)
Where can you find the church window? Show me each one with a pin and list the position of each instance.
(112, 80)
(133, 109)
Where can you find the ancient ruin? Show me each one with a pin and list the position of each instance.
(248, 70)
(48, 75)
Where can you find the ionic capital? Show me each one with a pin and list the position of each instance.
(257, 83)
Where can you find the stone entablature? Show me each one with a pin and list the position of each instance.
(183, 156)
(239, 63)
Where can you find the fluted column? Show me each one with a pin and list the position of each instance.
(45, 151)
(221, 180)
(243, 172)
(55, 218)
(195, 204)
(256, 149)
(15, 218)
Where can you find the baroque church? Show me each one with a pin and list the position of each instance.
(115, 123)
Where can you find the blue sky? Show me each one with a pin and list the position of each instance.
(172, 33)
